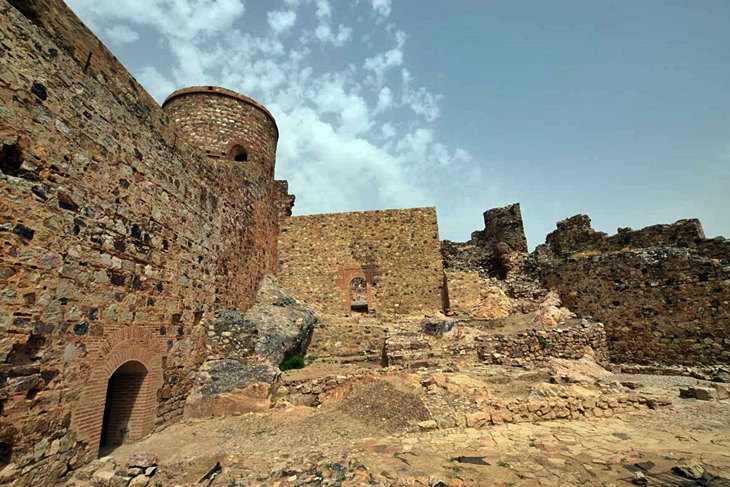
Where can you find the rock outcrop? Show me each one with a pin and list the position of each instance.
(245, 350)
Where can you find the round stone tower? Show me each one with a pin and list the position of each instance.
(239, 137)
(226, 125)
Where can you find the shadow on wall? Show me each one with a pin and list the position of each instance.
(123, 405)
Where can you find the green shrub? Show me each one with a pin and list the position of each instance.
(293, 362)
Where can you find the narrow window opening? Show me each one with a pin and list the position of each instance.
(239, 154)
(6, 453)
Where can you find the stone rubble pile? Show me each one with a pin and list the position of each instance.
(137, 472)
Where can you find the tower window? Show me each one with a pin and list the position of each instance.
(239, 154)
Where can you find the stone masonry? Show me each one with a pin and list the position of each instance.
(126, 226)
(663, 292)
(121, 235)
(397, 252)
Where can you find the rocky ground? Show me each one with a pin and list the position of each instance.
(451, 420)
(365, 439)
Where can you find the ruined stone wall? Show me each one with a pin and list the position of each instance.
(493, 251)
(396, 251)
(283, 200)
(464, 292)
(575, 234)
(663, 292)
(119, 239)
(534, 346)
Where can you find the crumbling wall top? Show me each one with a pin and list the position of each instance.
(505, 225)
(575, 234)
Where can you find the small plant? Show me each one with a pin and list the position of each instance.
(311, 359)
(543, 342)
(532, 444)
(158, 483)
(504, 465)
(585, 253)
(293, 362)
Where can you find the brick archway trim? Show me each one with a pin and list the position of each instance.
(126, 345)
(346, 275)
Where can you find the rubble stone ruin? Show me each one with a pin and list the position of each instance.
(152, 271)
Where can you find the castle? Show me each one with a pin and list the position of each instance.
(125, 225)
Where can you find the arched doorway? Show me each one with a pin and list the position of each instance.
(125, 407)
(359, 295)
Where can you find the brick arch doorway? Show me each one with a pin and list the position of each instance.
(358, 281)
(137, 362)
(124, 406)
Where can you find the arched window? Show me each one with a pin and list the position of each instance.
(238, 153)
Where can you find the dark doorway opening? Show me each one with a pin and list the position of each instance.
(124, 406)
(359, 295)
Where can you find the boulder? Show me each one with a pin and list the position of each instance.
(120, 479)
(723, 392)
(437, 327)
(275, 327)
(139, 481)
(102, 478)
(142, 460)
(689, 468)
(550, 312)
(493, 303)
(701, 393)
(242, 369)
(226, 386)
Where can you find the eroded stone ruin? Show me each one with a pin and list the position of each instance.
(137, 289)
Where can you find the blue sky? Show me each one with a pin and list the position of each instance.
(620, 110)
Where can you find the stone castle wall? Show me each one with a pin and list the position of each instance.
(663, 292)
(119, 240)
(238, 134)
(572, 341)
(397, 252)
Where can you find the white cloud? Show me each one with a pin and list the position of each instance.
(420, 100)
(157, 84)
(380, 63)
(324, 33)
(324, 10)
(121, 34)
(352, 137)
(282, 20)
(385, 99)
(178, 19)
(381, 7)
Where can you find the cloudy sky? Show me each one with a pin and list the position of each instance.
(617, 109)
